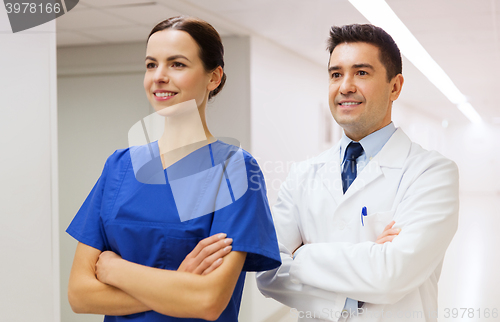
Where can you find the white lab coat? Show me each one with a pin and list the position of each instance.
(397, 280)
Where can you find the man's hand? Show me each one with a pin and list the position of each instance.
(388, 234)
(207, 255)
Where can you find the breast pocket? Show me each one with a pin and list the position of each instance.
(151, 244)
(138, 242)
(374, 225)
(177, 249)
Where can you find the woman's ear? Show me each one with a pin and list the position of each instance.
(215, 78)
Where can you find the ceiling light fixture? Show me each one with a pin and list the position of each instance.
(380, 14)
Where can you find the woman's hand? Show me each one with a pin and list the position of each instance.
(207, 255)
(388, 234)
(104, 266)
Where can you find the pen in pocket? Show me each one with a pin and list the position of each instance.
(363, 214)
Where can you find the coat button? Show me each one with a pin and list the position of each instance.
(341, 225)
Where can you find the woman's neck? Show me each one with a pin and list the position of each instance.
(185, 131)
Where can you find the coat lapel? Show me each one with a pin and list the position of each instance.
(371, 172)
(392, 155)
(329, 172)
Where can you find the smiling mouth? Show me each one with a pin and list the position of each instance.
(164, 94)
(349, 103)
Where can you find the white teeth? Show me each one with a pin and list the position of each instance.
(164, 94)
(349, 103)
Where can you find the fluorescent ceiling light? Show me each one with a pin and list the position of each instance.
(470, 112)
(380, 14)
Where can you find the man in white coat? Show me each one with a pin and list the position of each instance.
(342, 257)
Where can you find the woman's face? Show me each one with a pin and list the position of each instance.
(174, 70)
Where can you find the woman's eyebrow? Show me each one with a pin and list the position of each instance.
(174, 57)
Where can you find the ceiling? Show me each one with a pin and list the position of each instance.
(463, 36)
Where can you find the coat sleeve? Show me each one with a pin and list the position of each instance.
(384, 274)
(278, 283)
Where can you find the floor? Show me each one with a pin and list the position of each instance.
(470, 279)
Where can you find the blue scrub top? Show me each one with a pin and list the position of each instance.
(155, 217)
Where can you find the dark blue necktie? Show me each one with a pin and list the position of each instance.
(349, 172)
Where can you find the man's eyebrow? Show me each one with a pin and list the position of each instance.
(332, 68)
(363, 66)
(174, 57)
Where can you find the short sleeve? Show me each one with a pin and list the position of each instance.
(87, 226)
(248, 219)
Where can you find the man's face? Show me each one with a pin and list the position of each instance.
(360, 96)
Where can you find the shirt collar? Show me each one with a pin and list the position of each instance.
(372, 144)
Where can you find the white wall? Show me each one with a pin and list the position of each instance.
(29, 269)
(291, 120)
(228, 114)
(474, 147)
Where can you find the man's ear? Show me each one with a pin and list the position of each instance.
(396, 86)
(215, 78)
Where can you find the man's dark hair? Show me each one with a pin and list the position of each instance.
(390, 56)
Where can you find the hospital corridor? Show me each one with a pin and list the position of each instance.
(74, 89)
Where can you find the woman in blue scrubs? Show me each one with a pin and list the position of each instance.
(152, 232)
